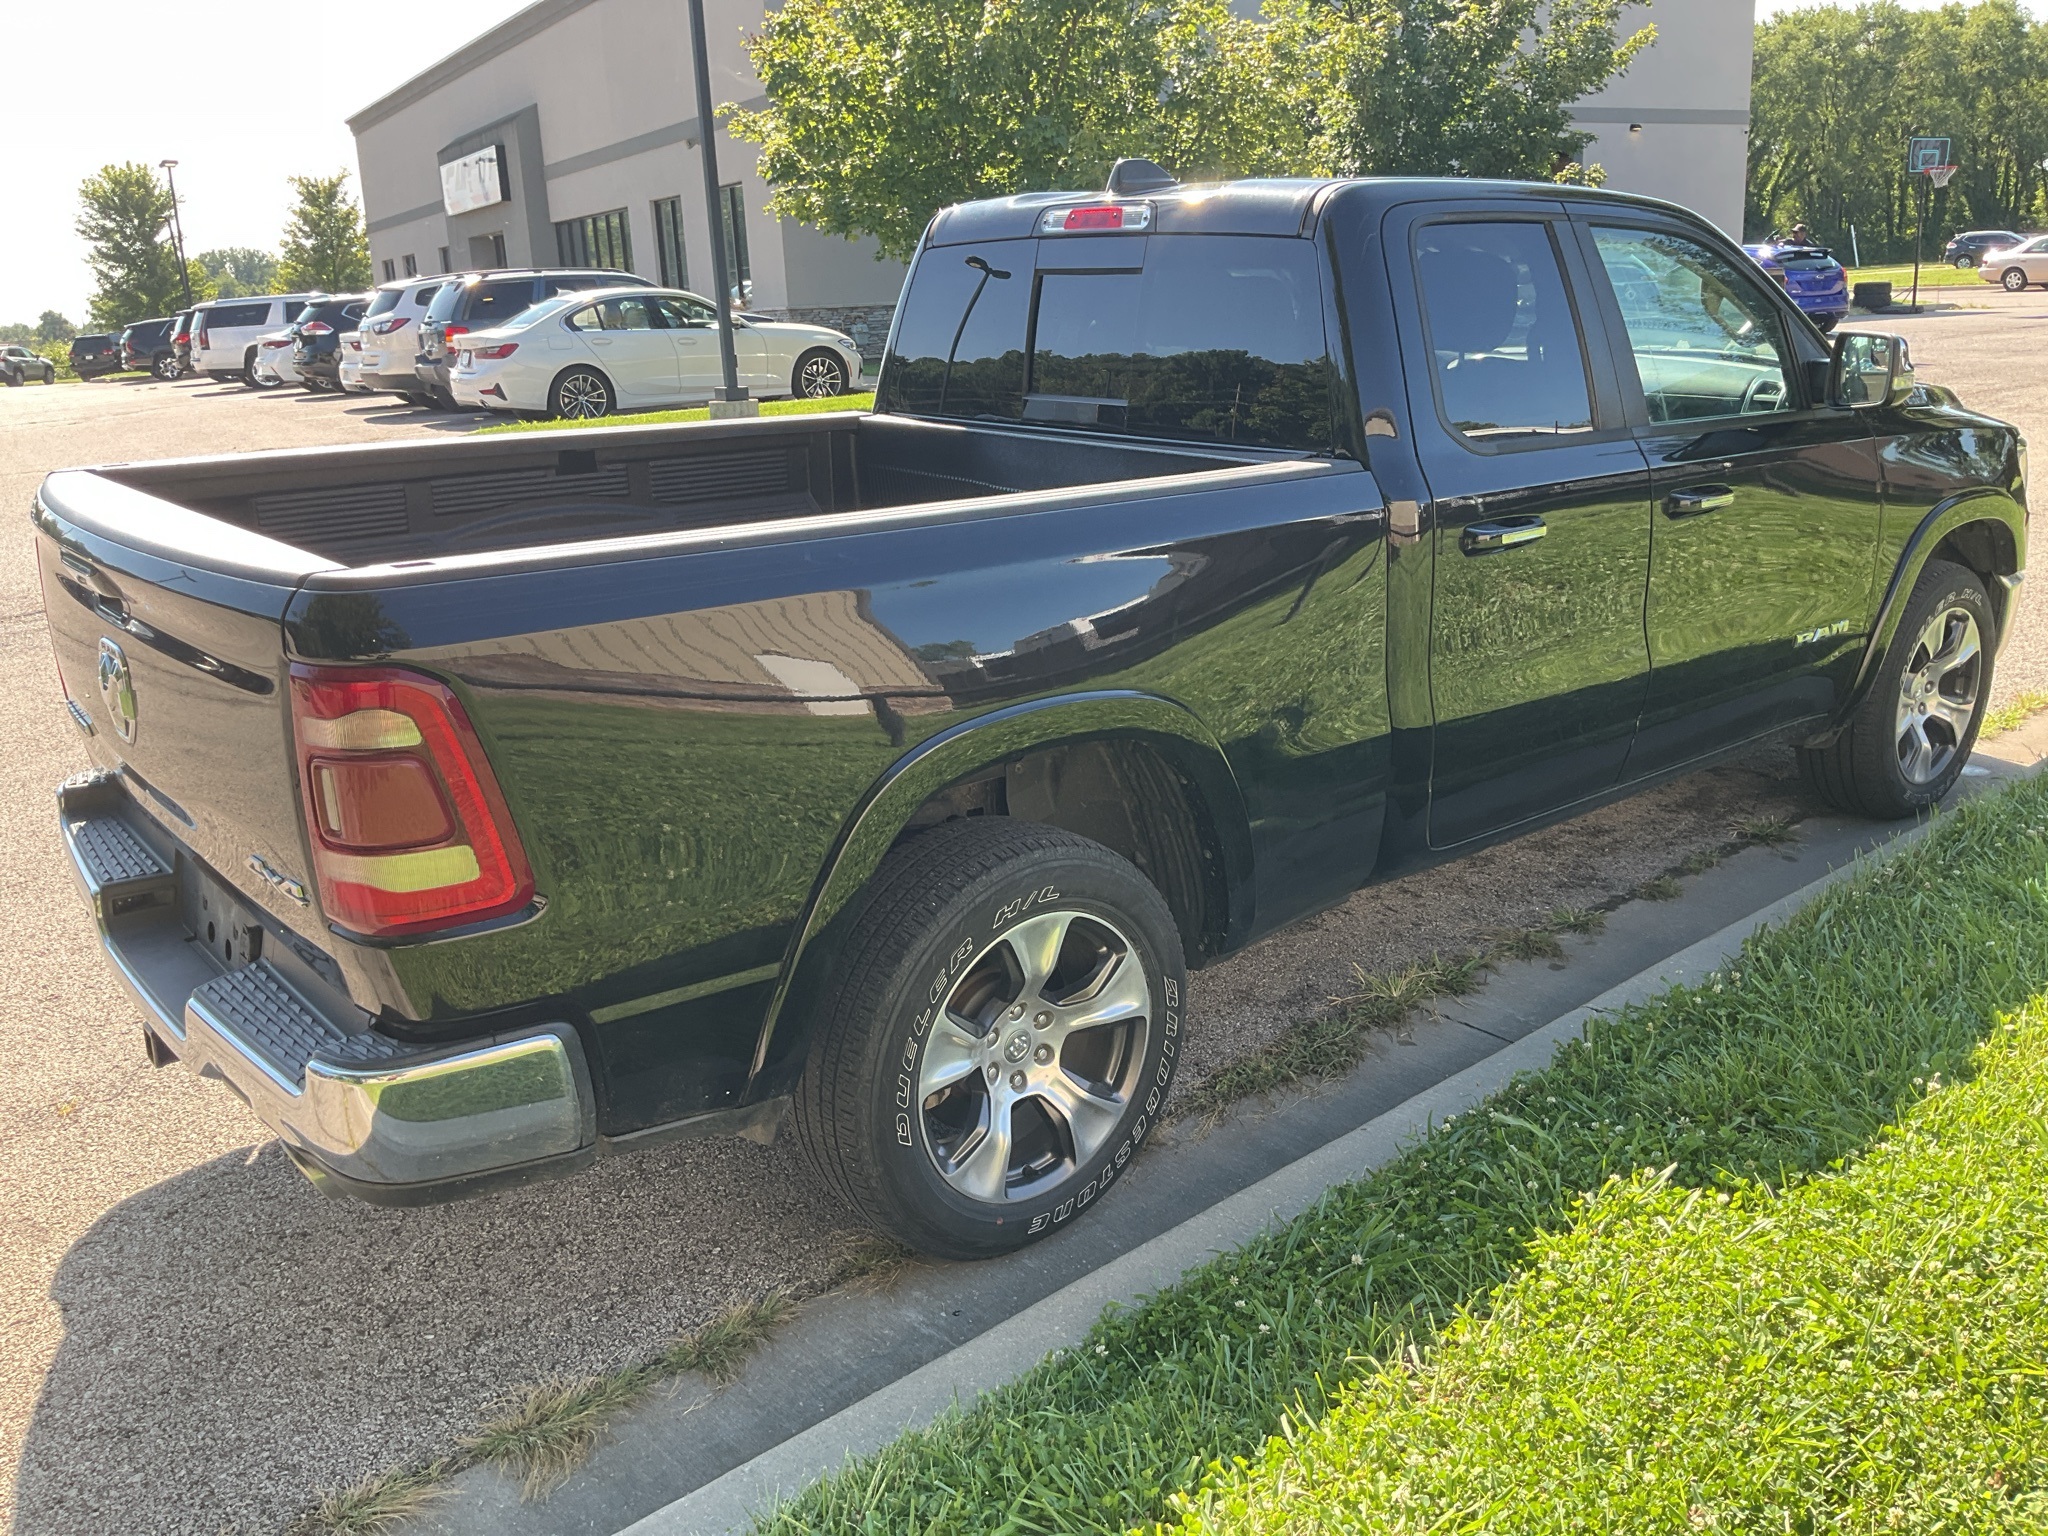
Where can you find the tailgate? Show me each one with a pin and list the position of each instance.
(168, 641)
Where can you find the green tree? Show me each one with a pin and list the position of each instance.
(883, 110)
(51, 326)
(324, 248)
(239, 269)
(123, 217)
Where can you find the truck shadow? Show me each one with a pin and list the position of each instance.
(233, 1339)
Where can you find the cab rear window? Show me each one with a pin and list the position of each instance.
(1217, 338)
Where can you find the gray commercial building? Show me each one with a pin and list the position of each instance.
(568, 135)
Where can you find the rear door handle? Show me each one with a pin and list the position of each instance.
(1695, 499)
(1479, 538)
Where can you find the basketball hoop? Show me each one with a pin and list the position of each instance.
(1941, 175)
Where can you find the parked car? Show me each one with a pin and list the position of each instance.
(476, 301)
(2013, 269)
(391, 336)
(272, 367)
(146, 348)
(1967, 249)
(18, 365)
(316, 339)
(483, 807)
(585, 355)
(1817, 282)
(225, 345)
(181, 344)
(352, 364)
(96, 354)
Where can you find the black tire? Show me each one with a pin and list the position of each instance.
(580, 394)
(1827, 323)
(1868, 770)
(941, 931)
(1966, 263)
(819, 374)
(248, 373)
(165, 366)
(49, 374)
(16, 380)
(2013, 280)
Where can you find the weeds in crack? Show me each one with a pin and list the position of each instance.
(1768, 831)
(1663, 888)
(1583, 920)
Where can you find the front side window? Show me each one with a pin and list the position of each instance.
(630, 314)
(1707, 342)
(685, 314)
(1503, 337)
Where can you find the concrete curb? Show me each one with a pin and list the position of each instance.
(1061, 1320)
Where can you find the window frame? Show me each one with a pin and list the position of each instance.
(1801, 341)
(1604, 398)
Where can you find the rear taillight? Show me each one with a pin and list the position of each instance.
(277, 341)
(316, 328)
(389, 325)
(202, 343)
(409, 830)
(503, 349)
(454, 330)
(183, 338)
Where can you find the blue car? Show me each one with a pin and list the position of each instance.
(1816, 281)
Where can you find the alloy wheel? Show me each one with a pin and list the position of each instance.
(820, 377)
(2015, 280)
(583, 396)
(1034, 1056)
(1938, 694)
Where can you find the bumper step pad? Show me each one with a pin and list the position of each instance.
(255, 1009)
(122, 872)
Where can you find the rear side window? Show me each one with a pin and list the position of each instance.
(226, 317)
(385, 301)
(445, 303)
(421, 297)
(1504, 341)
(490, 303)
(1219, 338)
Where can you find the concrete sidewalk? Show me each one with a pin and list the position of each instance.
(856, 1369)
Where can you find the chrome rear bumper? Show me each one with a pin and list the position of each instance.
(360, 1112)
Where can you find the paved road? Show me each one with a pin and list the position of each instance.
(191, 1340)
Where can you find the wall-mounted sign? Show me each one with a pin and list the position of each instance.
(475, 180)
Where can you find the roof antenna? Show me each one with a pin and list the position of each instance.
(1133, 178)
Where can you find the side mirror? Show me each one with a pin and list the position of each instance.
(1869, 371)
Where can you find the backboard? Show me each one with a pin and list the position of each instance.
(1924, 155)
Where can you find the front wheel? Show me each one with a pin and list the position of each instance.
(999, 1041)
(2014, 280)
(819, 375)
(1966, 263)
(1827, 323)
(1906, 744)
(581, 394)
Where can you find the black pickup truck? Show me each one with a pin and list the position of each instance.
(478, 808)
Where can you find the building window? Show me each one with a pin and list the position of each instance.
(668, 242)
(412, 268)
(446, 264)
(390, 270)
(734, 209)
(597, 241)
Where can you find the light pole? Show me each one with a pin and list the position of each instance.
(178, 230)
(733, 395)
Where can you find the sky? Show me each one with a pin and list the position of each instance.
(236, 131)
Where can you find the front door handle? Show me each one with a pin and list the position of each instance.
(1695, 499)
(1480, 538)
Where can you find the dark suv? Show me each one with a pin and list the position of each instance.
(316, 349)
(1968, 248)
(96, 354)
(146, 347)
(475, 301)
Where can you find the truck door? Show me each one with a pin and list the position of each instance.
(1540, 516)
(1766, 535)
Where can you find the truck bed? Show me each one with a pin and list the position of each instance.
(404, 502)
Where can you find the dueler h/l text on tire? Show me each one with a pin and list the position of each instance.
(1000, 1039)
(1907, 743)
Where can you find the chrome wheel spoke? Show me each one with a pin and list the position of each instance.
(1960, 651)
(984, 1169)
(1916, 753)
(951, 1054)
(1089, 1117)
(1036, 943)
(1121, 993)
(1954, 713)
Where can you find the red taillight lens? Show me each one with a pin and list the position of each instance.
(503, 349)
(1096, 216)
(181, 337)
(388, 326)
(316, 328)
(454, 330)
(277, 341)
(408, 827)
(203, 343)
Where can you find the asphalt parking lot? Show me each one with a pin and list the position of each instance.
(193, 1340)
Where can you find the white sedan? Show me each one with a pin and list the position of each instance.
(588, 354)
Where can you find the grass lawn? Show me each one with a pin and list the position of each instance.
(1762, 1255)
(1933, 274)
(857, 402)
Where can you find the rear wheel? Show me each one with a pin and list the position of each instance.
(165, 367)
(1000, 1040)
(2014, 280)
(1966, 263)
(581, 394)
(819, 374)
(1906, 745)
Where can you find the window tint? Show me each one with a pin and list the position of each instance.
(424, 296)
(1502, 334)
(224, 317)
(490, 303)
(1707, 342)
(685, 314)
(385, 300)
(1218, 339)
